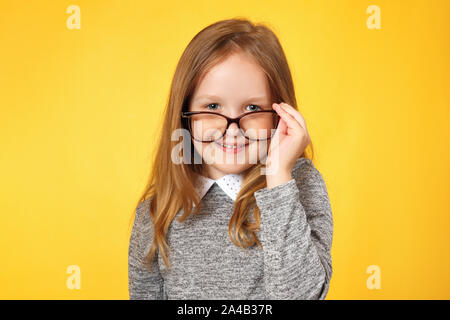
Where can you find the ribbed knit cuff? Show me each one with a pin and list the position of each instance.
(272, 198)
(276, 207)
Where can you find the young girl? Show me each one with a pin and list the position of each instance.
(246, 214)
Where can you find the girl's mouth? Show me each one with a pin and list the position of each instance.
(231, 148)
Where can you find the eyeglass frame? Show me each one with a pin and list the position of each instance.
(188, 114)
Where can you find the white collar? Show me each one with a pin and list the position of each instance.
(230, 183)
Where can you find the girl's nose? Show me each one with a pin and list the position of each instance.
(234, 135)
(233, 130)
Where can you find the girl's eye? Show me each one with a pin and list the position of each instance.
(253, 107)
(212, 106)
(250, 107)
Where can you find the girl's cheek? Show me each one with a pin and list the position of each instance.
(206, 152)
(256, 151)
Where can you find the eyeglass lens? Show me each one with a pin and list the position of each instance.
(211, 127)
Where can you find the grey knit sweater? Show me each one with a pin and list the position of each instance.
(296, 232)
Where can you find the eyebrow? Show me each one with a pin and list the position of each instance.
(206, 96)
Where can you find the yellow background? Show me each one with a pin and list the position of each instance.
(80, 110)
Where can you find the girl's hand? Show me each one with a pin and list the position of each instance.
(287, 144)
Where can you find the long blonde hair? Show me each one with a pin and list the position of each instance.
(170, 185)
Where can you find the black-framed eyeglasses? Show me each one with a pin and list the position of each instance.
(206, 126)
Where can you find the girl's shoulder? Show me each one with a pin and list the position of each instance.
(142, 218)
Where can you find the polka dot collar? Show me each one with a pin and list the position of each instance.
(229, 183)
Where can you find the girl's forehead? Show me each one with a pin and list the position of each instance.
(233, 80)
(235, 71)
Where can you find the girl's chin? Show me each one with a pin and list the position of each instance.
(231, 168)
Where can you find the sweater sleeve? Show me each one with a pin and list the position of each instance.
(296, 234)
(143, 284)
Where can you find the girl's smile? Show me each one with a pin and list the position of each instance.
(231, 147)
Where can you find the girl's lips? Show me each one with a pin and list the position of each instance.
(231, 148)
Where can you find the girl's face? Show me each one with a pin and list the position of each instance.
(233, 87)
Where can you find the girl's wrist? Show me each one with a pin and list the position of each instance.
(278, 178)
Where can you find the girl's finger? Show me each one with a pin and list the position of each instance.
(295, 113)
(298, 116)
(291, 122)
